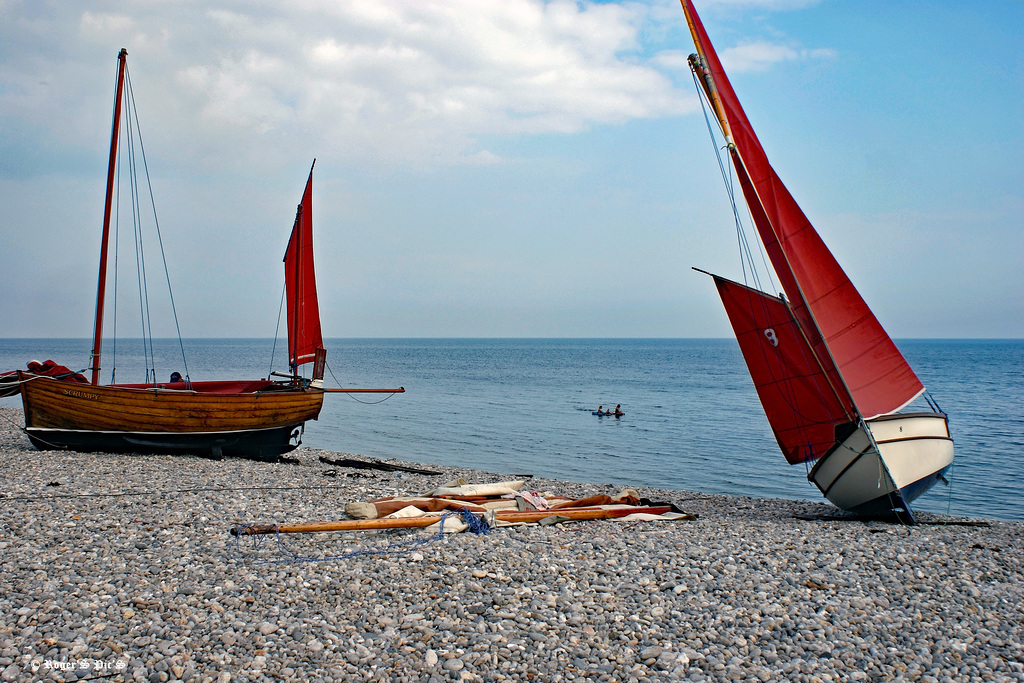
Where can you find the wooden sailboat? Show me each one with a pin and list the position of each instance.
(260, 418)
(831, 380)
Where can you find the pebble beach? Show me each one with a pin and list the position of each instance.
(121, 568)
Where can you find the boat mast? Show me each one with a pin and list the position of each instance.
(97, 337)
(293, 334)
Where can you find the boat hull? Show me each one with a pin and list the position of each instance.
(256, 444)
(885, 464)
(204, 420)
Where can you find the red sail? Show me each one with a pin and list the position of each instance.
(798, 307)
(876, 375)
(799, 401)
(304, 337)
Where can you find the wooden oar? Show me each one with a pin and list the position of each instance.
(410, 522)
(399, 390)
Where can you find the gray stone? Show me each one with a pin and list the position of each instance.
(454, 664)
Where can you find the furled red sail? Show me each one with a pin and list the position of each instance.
(876, 375)
(304, 337)
(801, 404)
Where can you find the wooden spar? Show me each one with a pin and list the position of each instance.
(343, 525)
(97, 336)
(707, 82)
(412, 522)
(399, 390)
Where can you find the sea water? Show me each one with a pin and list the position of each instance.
(524, 406)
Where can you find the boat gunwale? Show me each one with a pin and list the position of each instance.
(899, 416)
(275, 388)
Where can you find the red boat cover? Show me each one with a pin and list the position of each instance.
(876, 375)
(210, 387)
(801, 405)
(49, 368)
(10, 382)
(304, 336)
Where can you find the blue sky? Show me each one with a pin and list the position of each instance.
(510, 168)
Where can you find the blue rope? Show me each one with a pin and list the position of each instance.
(475, 523)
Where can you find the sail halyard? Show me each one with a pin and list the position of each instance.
(866, 361)
(305, 339)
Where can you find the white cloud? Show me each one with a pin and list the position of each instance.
(101, 24)
(404, 82)
(675, 60)
(761, 56)
(123, 30)
(759, 4)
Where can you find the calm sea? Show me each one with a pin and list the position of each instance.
(692, 418)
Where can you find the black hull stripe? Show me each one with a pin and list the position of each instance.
(916, 438)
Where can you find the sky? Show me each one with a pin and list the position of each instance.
(506, 168)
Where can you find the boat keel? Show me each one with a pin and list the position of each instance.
(256, 444)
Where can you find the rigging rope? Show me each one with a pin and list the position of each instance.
(117, 234)
(137, 210)
(140, 261)
(787, 387)
(357, 400)
(746, 254)
(160, 239)
(134, 153)
(277, 330)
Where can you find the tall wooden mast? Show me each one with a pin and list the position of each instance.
(97, 336)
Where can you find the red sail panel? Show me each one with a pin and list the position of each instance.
(876, 375)
(798, 399)
(304, 337)
(797, 305)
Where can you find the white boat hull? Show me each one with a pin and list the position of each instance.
(885, 463)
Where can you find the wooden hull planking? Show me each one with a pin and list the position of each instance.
(116, 419)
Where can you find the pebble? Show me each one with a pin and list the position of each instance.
(128, 563)
(454, 664)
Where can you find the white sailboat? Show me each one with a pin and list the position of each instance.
(831, 381)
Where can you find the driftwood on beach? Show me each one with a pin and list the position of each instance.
(375, 465)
